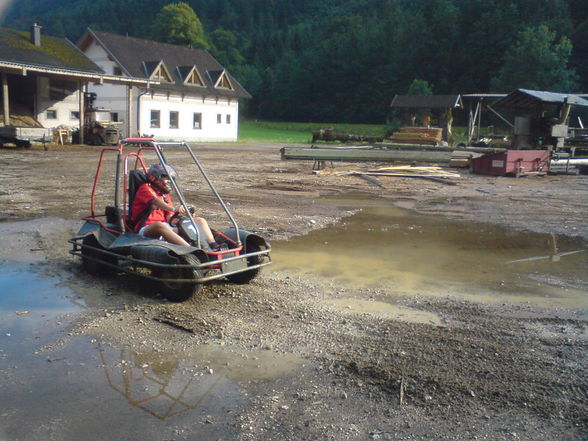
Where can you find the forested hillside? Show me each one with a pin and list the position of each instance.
(343, 60)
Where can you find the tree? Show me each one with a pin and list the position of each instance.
(579, 56)
(440, 42)
(537, 61)
(223, 45)
(177, 23)
(419, 87)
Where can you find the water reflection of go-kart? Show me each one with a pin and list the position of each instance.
(107, 243)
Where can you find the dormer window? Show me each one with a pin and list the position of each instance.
(190, 76)
(220, 79)
(224, 82)
(157, 71)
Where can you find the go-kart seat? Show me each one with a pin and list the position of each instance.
(136, 179)
(114, 214)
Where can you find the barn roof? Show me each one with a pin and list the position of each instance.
(426, 101)
(54, 57)
(54, 52)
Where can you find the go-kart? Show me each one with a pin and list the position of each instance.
(107, 242)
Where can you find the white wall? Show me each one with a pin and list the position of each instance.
(210, 129)
(109, 96)
(62, 108)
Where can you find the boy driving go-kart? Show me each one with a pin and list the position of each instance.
(153, 212)
(147, 235)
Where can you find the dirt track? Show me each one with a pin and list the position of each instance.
(488, 373)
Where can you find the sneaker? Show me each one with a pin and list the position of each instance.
(216, 247)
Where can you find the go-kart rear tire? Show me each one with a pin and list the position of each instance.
(93, 267)
(180, 292)
(247, 276)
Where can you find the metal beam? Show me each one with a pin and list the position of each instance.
(5, 99)
(364, 154)
(130, 118)
(489, 107)
(403, 153)
(73, 74)
(81, 112)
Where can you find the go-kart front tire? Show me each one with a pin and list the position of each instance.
(177, 291)
(247, 276)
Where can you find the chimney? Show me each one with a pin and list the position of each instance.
(36, 34)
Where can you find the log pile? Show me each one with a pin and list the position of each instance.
(329, 134)
(418, 135)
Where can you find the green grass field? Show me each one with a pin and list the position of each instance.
(290, 132)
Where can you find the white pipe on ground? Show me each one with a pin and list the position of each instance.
(571, 161)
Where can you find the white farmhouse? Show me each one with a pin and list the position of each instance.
(192, 98)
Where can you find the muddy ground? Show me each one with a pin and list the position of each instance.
(509, 372)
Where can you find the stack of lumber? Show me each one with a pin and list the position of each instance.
(432, 173)
(418, 135)
(462, 158)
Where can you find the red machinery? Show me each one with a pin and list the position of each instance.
(513, 162)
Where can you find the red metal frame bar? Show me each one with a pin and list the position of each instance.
(97, 176)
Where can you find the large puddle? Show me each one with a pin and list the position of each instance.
(53, 386)
(384, 247)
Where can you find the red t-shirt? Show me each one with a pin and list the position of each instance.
(145, 194)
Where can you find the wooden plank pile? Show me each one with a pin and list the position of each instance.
(431, 173)
(462, 158)
(417, 135)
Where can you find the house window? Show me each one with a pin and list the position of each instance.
(228, 120)
(219, 118)
(74, 115)
(114, 116)
(198, 121)
(51, 114)
(174, 118)
(155, 119)
(117, 71)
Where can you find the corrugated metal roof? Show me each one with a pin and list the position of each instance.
(426, 101)
(483, 95)
(531, 99)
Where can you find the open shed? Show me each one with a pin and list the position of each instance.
(543, 116)
(44, 78)
(411, 105)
